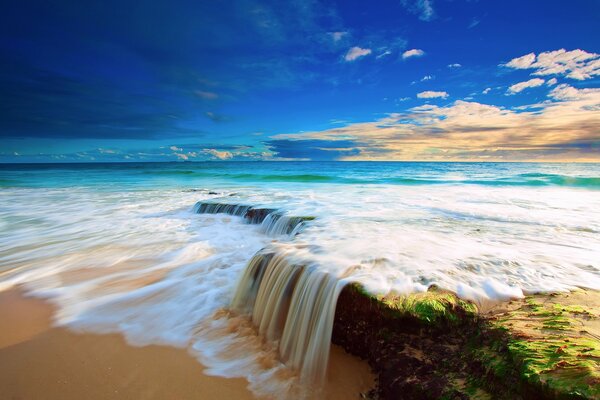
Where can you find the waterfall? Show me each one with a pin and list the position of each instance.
(272, 222)
(292, 303)
(221, 208)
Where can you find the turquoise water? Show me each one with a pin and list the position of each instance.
(119, 248)
(397, 173)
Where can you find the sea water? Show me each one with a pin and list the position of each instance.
(120, 248)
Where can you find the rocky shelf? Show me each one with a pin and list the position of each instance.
(435, 346)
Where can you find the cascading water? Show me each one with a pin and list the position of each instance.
(272, 222)
(291, 303)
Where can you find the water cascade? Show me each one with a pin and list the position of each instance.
(292, 303)
(272, 222)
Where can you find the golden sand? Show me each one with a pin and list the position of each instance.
(38, 361)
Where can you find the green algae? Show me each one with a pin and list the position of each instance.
(538, 350)
(431, 307)
(546, 345)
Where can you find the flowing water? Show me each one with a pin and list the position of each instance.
(242, 262)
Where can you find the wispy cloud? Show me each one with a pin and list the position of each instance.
(427, 78)
(422, 8)
(455, 65)
(385, 53)
(337, 36)
(474, 22)
(519, 87)
(430, 94)
(576, 64)
(217, 117)
(486, 90)
(207, 95)
(563, 128)
(355, 53)
(552, 82)
(413, 53)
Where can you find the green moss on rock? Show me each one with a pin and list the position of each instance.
(435, 345)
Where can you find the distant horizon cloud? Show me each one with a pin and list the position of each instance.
(356, 52)
(412, 53)
(221, 155)
(472, 131)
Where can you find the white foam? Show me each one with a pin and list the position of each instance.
(141, 263)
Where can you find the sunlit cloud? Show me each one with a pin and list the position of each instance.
(221, 155)
(413, 53)
(519, 87)
(576, 64)
(563, 128)
(455, 65)
(430, 94)
(356, 52)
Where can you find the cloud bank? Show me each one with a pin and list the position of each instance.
(564, 127)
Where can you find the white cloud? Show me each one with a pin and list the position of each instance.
(356, 52)
(413, 53)
(430, 94)
(207, 95)
(455, 65)
(337, 36)
(426, 78)
(522, 62)
(564, 92)
(576, 64)
(221, 155)
(519, 87)
(175, 148)
(181, 156)
(486, 90)
(552, 82)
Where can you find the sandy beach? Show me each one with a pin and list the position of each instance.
(38, 361)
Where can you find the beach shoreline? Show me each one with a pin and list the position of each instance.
(39, 361)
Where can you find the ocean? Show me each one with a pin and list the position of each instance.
(122, 247)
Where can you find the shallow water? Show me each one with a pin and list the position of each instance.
(119, 249)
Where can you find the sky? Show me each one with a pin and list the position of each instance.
(411, 80)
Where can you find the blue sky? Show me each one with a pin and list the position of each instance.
(308, 80)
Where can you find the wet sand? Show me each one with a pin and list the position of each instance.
(38, 361)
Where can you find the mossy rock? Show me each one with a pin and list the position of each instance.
(435, 345)
(434, 307)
